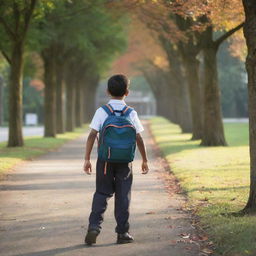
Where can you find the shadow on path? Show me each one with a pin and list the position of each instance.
(52, 251)
(55, 251)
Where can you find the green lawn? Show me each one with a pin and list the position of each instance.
(216, 181)
(34, 146)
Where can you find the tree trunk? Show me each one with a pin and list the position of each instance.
(15, 96)
(49, 94)
(178, 77)
(250, 35)
(60, 99)
(89, 88)
(1, 100)
(195, 97)
(89, 100)
(79, 103)
(185, 119)
(213, 131)
(85, 111)
(155, 87)
(170, 88)
(163, 89)
(70, 103)
(187, 57)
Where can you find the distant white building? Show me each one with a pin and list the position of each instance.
(31, 119)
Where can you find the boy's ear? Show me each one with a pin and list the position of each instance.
(108, 93)
(127, 92)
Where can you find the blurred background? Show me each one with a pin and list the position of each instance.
(55, 76)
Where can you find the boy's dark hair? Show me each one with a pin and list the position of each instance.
(117, 85)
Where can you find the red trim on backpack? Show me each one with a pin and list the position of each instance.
(109, 108)
(126, 109)
(120, 126)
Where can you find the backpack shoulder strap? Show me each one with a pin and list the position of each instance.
(127, 110)
(109, 110)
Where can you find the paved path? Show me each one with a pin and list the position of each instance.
(45, 204)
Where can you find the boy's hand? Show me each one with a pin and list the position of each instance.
(88, 167)
(144, 167)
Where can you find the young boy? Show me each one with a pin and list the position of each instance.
(113, 177)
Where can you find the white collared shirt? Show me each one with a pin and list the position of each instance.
(101, 115)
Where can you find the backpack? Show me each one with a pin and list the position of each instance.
(117, 140)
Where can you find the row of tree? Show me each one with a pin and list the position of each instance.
(190, 83)
(197, 21)
(76, 41)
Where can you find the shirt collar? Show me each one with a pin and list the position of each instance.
(115, 101)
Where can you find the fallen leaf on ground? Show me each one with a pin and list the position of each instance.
(199, 238)
(207, 251)
(203, 238)
(184, 235)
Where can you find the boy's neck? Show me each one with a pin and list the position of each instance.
(117, 98)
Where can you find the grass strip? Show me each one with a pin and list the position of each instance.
(216, 181)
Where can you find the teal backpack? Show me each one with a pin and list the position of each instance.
(117, 140)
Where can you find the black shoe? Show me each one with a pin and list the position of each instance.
(91, 236)
(124, 238)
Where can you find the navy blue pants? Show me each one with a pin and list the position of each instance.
(118, 181)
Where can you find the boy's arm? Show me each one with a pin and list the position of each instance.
(142, 149)
(89, 144)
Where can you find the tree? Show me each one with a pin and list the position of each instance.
(189, 49)
(213, 134)
(1, 100)
(48, 56)
(15, 18)
(3, 68)
(67, 46)
(53, 33)
(211, 16)
(197, 20)
(90, 84)
(250, 36)
(180, 86)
